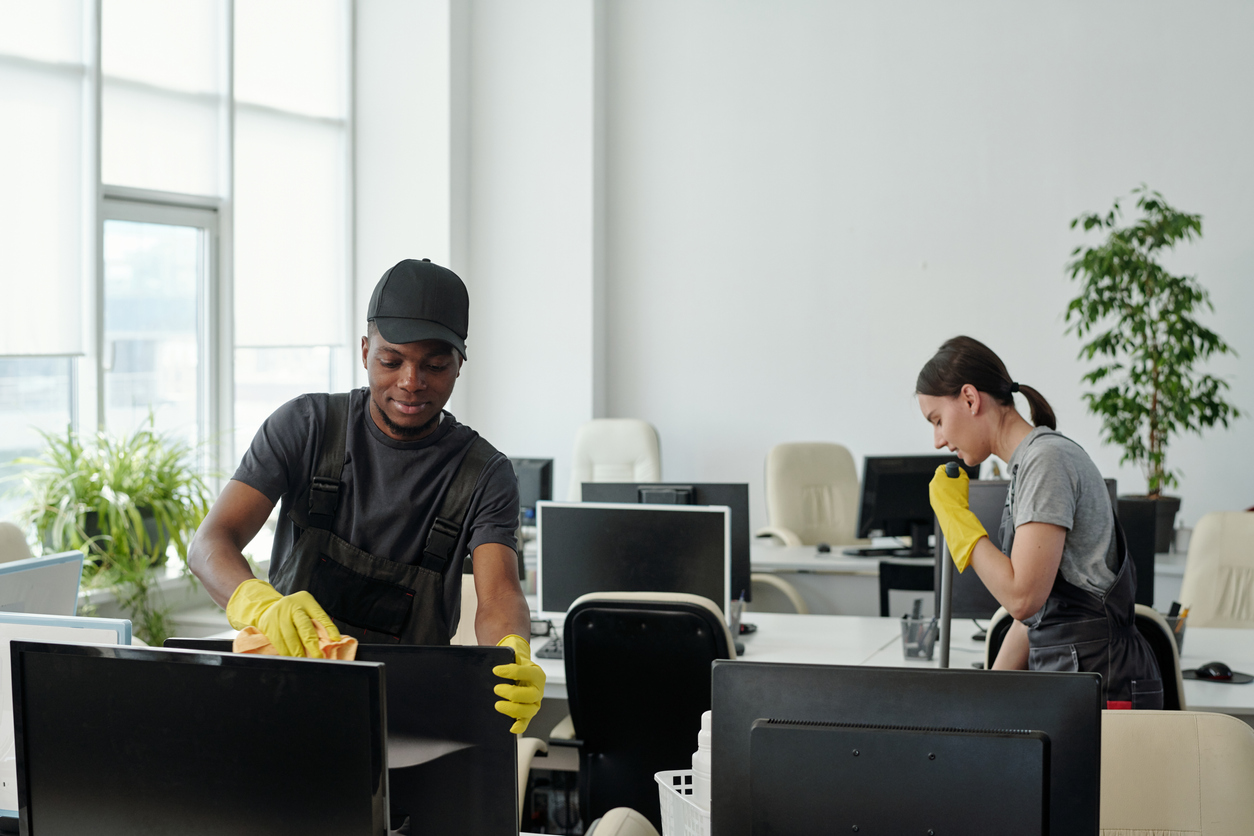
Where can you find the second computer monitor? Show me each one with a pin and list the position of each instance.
(895, 500)
(535, 482)
(734, 495)
(46, 585)
(610, 547)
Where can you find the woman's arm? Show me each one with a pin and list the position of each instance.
(1013, 655)
(1022, 582)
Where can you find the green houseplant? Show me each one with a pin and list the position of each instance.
(1142, 328)
(121, 501)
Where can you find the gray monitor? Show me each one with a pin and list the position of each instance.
(47, 585)
(617, 547)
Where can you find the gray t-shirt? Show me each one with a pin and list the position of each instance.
(1052, 480)
(390, 490)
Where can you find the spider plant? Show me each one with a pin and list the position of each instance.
(122, 501)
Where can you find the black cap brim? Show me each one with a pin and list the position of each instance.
(397, 329)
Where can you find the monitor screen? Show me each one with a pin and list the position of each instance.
(47, 585)
(894, 497)
(132, 741)
(605, 547)
(1065, 707)
(452, 762)
(535, 482)
(734, 495)
(40, 628)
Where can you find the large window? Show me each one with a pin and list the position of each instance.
(174, 238)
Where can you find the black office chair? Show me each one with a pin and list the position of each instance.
(903, 576)
(638, 680)
(1150, 625)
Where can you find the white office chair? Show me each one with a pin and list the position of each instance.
(614, 450)
(1218, 585)
(811, 494)
(12, 543)
(1176, 772)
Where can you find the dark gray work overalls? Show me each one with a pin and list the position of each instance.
(372, 598)
(1078, 631)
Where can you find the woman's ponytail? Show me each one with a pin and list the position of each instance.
(964, 360)
(1042, 414)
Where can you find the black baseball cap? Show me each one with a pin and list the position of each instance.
(418, 300)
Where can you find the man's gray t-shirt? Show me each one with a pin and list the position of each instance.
(1052, 480)
(390, 491)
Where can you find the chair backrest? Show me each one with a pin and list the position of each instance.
(812, 490)
(1158, 634)
(638, 680)
(903, 576)
(998, 627)
(1184, 772)
(614, 450)
(1218, 586)
(12, 543)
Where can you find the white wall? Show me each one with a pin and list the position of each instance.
(806, 198)
(795, 203)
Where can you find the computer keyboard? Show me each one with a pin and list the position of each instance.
(553, 649)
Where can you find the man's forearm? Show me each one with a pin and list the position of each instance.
(499, 617)
(219, 565)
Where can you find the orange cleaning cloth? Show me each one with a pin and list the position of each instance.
(252, 640)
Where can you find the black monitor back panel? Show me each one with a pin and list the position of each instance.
(1064, 706)
(896, 780)
(452, 761)
(732, 494)
(137, 741)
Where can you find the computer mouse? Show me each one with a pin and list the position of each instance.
(823, 548)
(1217, 671)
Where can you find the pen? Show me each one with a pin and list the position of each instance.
(1184, 613)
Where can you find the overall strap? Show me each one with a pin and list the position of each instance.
(324, 490)
(442, 539)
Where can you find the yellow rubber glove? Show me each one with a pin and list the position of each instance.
(287, 620)
(962, 528)
(521, 698)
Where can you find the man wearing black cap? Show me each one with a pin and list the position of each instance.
(382, 495)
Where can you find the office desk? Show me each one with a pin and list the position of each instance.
(858, 640)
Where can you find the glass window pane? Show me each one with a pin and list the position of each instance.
(289, 54)
(289, 231)
(175, 45)
(267, 378)
(153, 275)
(47, 30)
(41, 215)
(162, 141)
(34, 395)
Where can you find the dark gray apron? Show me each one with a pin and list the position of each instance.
(371, 598)
(1078, 631)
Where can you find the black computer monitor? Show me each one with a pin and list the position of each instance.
(535, 482)
(1065, 707)
(125, 741)
(452, 761)
(606, 547)
(894, 499)
(734, 495)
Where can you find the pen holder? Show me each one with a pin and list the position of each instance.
(1177, 625)
(918, 637)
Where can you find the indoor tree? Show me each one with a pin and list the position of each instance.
(1142, 326)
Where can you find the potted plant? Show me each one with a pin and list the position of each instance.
(122, 502)
(1143, 329)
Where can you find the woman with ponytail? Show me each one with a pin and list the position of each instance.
(1059, 564)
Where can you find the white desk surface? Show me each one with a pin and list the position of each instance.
(863, 640)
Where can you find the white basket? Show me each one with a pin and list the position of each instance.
(680, 816)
